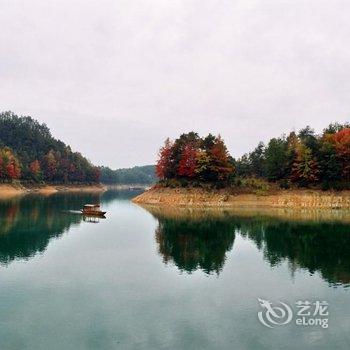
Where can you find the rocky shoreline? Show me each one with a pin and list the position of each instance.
(197, 197)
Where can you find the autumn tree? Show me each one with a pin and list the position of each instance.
(178, 149)
(164, 160)
(305, 168)
(188, 161)
(35, 170)
(29, 141)
(195, 158)
(304, 157)
(13, 171)
(50, 165)
(341, 141)
(10, 165)
(203, 165)
(220, 164)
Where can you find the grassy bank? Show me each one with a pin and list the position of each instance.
(295, 198)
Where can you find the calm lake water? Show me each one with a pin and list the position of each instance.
(156, 279)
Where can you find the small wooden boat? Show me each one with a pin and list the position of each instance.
(92, 210)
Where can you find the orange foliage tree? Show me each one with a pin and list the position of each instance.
(341, 141)
(220, 160)
(35, 169)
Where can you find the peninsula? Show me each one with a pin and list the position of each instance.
(301, 170)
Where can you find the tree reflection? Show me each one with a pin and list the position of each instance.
(195, 244)
(197, 239)
(317, 247)
(27, 224)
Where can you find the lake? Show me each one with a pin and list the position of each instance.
(170, 279)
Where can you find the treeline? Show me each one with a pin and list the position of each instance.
(144, 175)
(299, 159)
(303, 158)
(195, 158)
(29, 152)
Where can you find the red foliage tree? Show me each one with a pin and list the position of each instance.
(13, 171)
(188, 162)
(193, 158)
(10, 167)
(220, 161)
(164, 160)
(341, 141)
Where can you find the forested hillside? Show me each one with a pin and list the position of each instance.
(303, 159)
(29, 152)
(137, 175)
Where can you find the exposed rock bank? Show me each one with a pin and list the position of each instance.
(296, 199)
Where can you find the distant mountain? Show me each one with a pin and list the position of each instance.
(136, 175)
(29, 152)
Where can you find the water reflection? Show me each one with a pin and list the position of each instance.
(28, 223)
(317, 247)
(93, 219)
(195, 244)
(199, 239)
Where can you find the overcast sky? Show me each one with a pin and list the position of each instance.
(114, 78)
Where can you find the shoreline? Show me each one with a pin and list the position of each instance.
(284, 214)
(13, 190)
(197, 197)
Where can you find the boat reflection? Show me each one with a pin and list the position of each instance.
(27, 224)
(93, 219)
